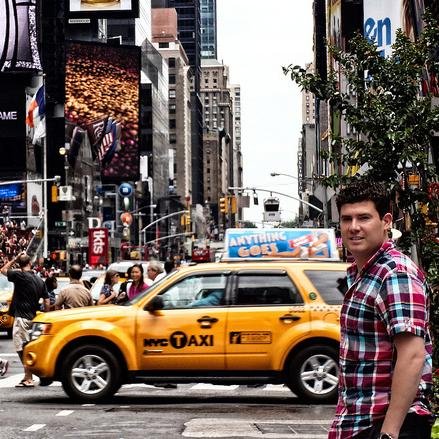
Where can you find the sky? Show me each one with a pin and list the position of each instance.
(255, 39)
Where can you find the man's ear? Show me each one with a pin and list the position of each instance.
(387, 219)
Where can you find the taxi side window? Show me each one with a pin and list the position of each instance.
(266, 290)
(330, 284)
(196, 291)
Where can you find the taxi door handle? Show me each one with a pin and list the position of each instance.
(289, 318)
(207, 320)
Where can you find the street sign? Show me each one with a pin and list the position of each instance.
(60, 224)
(125, 190)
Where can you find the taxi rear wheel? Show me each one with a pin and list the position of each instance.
(90, 373)
(313, 374)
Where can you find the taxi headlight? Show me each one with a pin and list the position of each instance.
(39, 329)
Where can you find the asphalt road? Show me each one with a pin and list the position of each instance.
(142, 411)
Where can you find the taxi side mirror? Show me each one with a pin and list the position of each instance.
(155, 304)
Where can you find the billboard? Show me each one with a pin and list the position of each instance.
(102, 102)
(281, 243)
(18, 36)
(12, 110)
(34, 203)
(381, 20)
(103, 8)
(12, 124)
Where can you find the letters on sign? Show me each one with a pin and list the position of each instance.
(98, 246)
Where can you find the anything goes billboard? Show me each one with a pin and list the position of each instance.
(102, 105)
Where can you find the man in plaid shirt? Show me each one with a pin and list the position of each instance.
(385, 346)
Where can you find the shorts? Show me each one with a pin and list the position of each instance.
(20, 332)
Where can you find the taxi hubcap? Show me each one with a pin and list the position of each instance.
(319, 374)
(90, 374)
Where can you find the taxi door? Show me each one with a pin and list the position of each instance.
(267, 310)
(189, 333)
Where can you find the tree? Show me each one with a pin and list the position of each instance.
(395, 125)
(396, 119)
(247, 225)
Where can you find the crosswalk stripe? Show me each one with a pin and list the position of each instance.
(35, 427)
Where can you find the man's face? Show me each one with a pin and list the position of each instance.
(362, 230)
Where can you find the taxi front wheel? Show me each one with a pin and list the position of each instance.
(313, 374)
(90, 373)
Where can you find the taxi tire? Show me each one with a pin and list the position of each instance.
(105, 356)
(301, 362)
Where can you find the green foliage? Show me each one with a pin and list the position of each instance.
(248, 225)
(394, 124)
(290, 224)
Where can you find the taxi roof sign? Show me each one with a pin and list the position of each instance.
(281, 243)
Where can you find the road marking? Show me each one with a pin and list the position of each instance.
(35, 427)
(251, 428)
(206, 386)
(9, 355)
(88, 405)
(64, 413)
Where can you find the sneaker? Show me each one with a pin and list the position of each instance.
(4, 364)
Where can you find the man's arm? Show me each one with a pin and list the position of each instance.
(8, 265)
(46, 303)
(406, 377)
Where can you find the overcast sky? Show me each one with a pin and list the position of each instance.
(255, 39)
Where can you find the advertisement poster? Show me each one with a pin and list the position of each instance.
(104, 107)
(281, 243)
(104, 8)
(381, 21)
(34, 203)
(18, 36)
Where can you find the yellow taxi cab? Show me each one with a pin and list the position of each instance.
(233, 322)
(6, 290)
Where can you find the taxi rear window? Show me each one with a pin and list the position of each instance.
(330, 284)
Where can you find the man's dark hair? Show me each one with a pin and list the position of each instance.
(364, 190)
(169, 266)
(23, 261)
(75, 272)
(51, 283)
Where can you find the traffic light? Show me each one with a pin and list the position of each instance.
(233, 204)
(54, 193)
(224, 205)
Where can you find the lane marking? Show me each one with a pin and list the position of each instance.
(207, 386)
(35, 427)
(64, 413)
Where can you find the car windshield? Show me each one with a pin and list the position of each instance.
(152, 287)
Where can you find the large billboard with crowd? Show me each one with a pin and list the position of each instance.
(102, 106)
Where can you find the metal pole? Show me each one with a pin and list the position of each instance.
(278, 193)
(45, 200)
(163, 218)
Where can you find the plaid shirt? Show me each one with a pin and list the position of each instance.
(387, 298)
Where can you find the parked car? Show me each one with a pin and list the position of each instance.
(275, 322)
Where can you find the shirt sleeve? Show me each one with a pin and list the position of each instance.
(404, 304)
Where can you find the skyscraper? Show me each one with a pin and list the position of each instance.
(208, 29)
